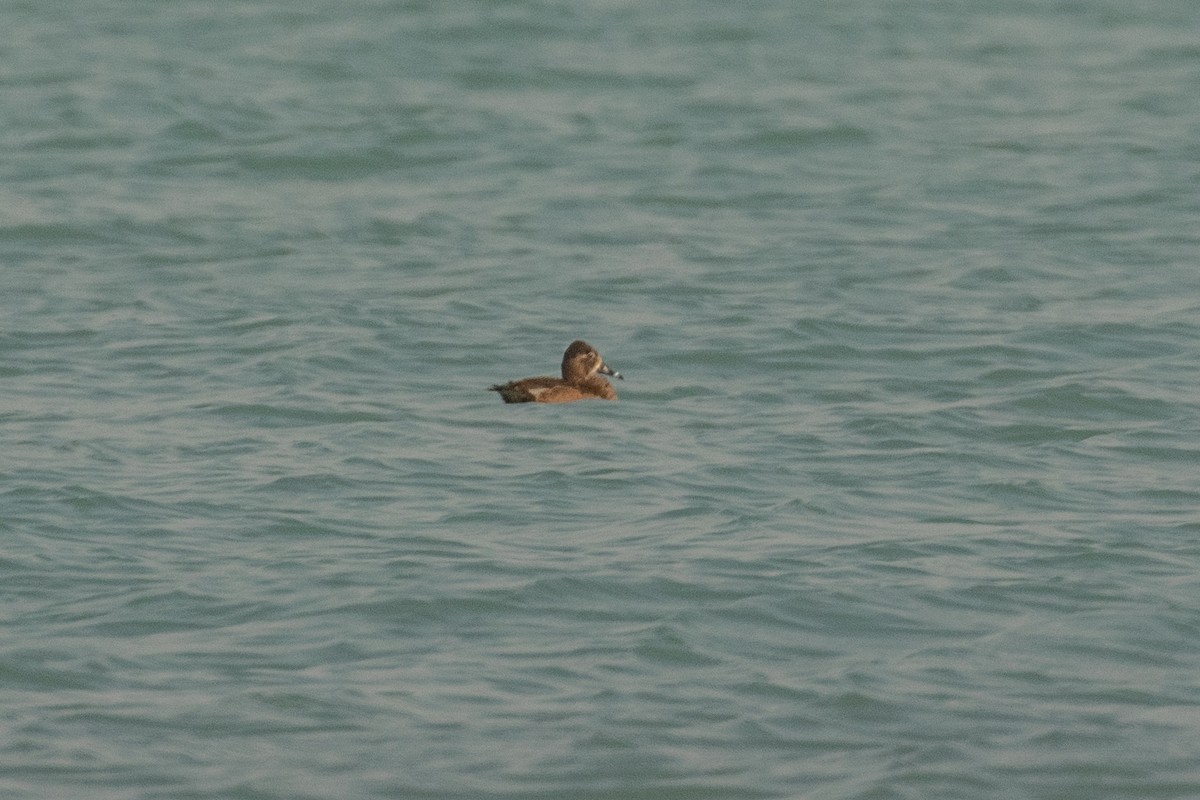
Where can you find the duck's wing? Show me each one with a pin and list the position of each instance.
(527, 390)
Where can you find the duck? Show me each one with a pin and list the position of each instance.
(582, 367)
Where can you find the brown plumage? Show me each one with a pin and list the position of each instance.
(582, 367)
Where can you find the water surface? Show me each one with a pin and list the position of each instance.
(899, 500)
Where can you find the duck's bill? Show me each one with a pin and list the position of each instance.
(605, 369)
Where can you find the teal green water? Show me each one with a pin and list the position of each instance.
(900, 499)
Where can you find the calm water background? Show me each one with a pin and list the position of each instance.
(901, 498)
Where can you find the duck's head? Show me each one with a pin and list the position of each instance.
(581, 361)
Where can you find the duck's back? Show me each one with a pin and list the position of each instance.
(552, 390)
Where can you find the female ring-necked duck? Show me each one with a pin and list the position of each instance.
(582, 367)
